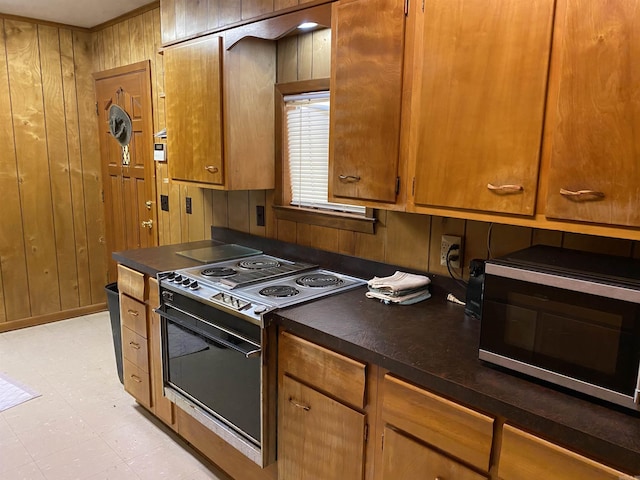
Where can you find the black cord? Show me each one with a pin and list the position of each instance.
(459, 281)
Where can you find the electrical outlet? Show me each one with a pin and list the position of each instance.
(164, 203)
(445, 244)
(260, 215)
(188, 208)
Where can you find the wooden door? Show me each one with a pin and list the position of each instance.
(481, 76)
(366, 95)
(129, 190)
(318, 437)
(406, 459)
(193, 90)
(594, 170)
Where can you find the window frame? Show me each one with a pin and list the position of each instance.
(282, 210)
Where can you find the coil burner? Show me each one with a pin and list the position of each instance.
(319, 280)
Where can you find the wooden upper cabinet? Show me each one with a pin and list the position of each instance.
(366, 93)
(230, 147)
(480, 76)
(193, 91)
(594, 170)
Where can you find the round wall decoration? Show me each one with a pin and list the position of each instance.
(120, 125)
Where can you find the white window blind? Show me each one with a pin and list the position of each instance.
(307, 136)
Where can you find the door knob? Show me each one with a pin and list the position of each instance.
(147, 224)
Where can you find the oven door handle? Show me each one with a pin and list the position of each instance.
(246, 353)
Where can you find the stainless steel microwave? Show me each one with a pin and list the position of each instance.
(567, 317)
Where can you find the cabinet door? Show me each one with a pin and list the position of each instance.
(595, 170)
(366, 90)
(194, 110)
(318, 438)
(480, 82)
(406, 459)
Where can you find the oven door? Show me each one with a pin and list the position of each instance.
(214, 366)
(586, 342)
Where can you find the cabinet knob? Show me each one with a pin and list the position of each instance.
(582, 195)
(211, 169)
(147, 224)
(349, 178)
(508, 188)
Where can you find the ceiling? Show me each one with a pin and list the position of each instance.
(86, 13)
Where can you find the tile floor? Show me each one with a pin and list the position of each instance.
(84, 425)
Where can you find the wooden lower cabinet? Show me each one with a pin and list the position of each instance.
(320, 438)
(457, 430)
(407, 459)
(141, 344)
(527, 457)
(322, 421)
(162, 406)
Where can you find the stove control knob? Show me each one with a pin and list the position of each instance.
(186, 282)
(258, 309)
(171, 276)
(194, 285)
(177, 278)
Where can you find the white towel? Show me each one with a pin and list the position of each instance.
(399, 281)
(404, 300)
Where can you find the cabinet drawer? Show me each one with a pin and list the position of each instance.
(459, 431)
(136, 382)
(133, 315)
(406, 459)
(134, 349)
(339, 376)
(131, 282)
(527, 457)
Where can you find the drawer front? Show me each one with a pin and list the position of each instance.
(131, 282)
(133, 315)
(459, 431)
(135, 349)
(406, 459)
(527, 457)
(136, 382)
(335, 374)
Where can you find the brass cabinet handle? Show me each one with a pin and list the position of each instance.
(293, 402)
(136, 378)
(211, 168)
(508, 188)
(147, 224)
(134, 345)
(133, 312)
(148, 204)
(349, 178)
(581, 194)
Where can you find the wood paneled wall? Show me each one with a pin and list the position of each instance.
(52, 254)
(132, 40)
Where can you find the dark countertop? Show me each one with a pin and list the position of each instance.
(434, 345)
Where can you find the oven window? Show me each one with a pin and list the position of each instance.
(582, 336)
(209, 367)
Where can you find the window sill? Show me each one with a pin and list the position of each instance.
(339, 220)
